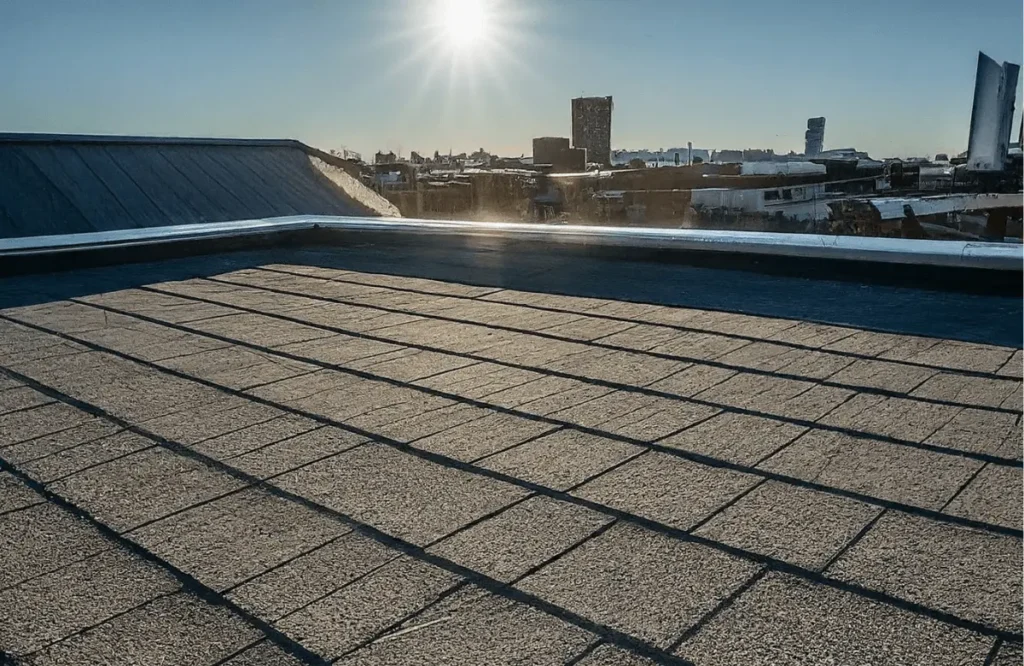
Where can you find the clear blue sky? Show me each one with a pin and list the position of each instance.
(893, 77)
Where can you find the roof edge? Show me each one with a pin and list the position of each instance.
(942, 253)
(120, 139)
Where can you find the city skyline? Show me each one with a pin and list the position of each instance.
(892, 79)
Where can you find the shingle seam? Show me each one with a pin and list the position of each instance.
(58, 569)
(94, 465)
(397, 624)
(276, 442)
(852, 542)
(963, 487)
(719, 608)
(234, 586)
(25, 408)
(46, 434)
(792, 440)
(990, 658)
(589, 650)
(7, 512)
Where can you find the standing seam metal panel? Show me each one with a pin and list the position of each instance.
(72, 176)
(185, 160)
(271, 189)
(286, 180)
(32, 205)
(142, 211)
(141, 165)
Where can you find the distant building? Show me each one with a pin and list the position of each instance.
(384, 158)
(727, 156)
(843, 154)
(481, 158)
(555, 150)
(661, 157)
(814, 137)
(795, 202)
(758, 155)
(546, 149)
(592, 127)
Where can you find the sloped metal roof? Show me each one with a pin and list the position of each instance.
(55, 184)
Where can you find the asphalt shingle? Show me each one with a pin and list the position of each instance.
(399, 493)
(521, 537)
(796, 525)
(965, 572)
(794, 621)
(666, 488)
(630, 579)
(360, 611)
(471, 628)
(291, 403)
(179, 629)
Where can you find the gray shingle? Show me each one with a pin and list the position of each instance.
(178, 629)
(84, 593)
(667, 489)
(359, 611)
(971, 574)
(234, 538)
(879, 469)
(520, 538)
(631, 579)
(793, 524)
(991, 497)
(794, 621)
(312, 575)
(468, 629)
(560, 460)
(399, 493)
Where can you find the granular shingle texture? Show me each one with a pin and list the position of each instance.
(394, 456)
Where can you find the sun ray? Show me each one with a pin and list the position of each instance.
(451, 54)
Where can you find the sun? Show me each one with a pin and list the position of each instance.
(465, 24)
(456, 54)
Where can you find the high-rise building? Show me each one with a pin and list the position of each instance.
(814, 137)
(592, 128)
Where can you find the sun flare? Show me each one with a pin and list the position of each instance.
(465, 23)
(459, 53)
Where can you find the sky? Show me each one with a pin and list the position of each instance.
(892, 77)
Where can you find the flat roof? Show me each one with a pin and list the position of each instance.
(375, 455)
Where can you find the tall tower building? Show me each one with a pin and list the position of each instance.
(592, 128)
(814, 137)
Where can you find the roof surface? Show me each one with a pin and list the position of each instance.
(72, 184)
(385, 456)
